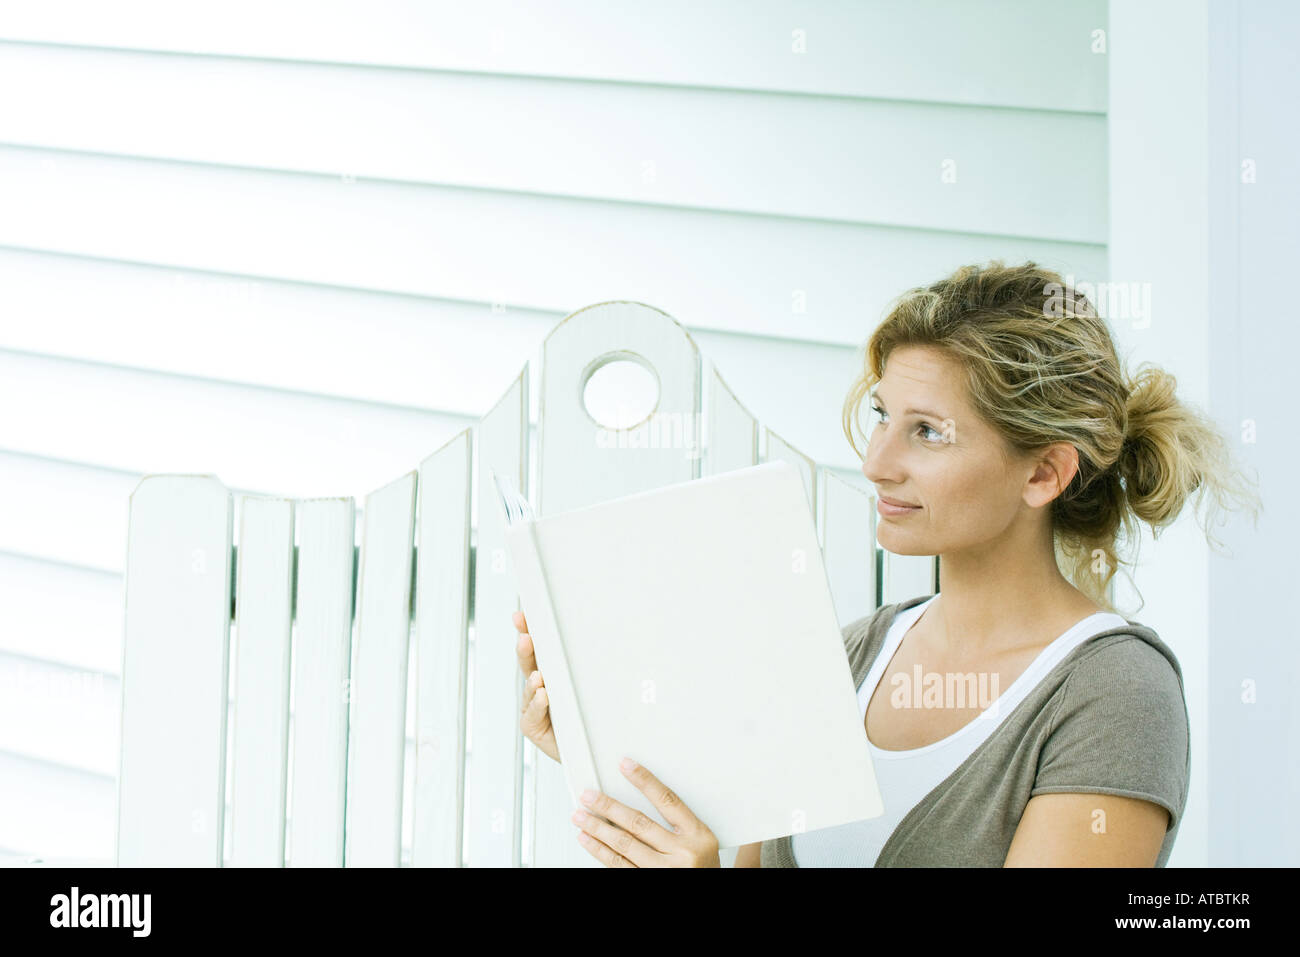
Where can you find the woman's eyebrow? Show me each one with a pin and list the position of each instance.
(933, 415)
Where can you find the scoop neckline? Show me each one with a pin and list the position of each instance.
(919, 609)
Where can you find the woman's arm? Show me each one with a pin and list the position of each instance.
(1088, 830)
(749, 855)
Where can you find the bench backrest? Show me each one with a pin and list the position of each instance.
(364, 659)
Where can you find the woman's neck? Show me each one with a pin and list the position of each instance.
(990, 604)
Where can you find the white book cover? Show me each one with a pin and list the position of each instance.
(691, 628)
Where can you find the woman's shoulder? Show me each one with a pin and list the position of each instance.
(1127, 656)
(1119, 722)
(1123, 686)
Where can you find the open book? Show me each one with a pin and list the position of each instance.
(691, 628)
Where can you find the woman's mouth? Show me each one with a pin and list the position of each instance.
(891, 508)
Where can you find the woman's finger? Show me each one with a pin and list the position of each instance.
(534, 701)
(636, 824)
(531, 685)
(602, 852)
(628, 844)
(524, 649)
(662, 797)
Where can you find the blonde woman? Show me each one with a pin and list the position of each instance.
(1010, 443)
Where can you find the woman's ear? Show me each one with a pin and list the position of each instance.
(1052, 475)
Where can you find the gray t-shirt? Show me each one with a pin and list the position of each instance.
(1109, 718)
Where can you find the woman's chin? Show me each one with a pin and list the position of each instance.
(899, 544)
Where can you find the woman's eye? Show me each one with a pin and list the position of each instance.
(938, 436)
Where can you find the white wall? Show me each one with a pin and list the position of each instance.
(301, 244)
(1254, 650)
(1197, 88)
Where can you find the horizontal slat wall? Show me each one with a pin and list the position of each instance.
(63, 512)
(198, 324)
(990, 51)
(263, 439)
(795, 278)
(709, 149)
(64, 715)
(63, 812)
(124, 316)
(62, 615)
(331, 174)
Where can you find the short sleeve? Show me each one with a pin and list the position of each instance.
(855, 632)
(1121, 727)
(856, 636)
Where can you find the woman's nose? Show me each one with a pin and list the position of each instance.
(879, 464)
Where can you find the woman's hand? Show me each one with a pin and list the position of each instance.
(637, 841)
(535, 720)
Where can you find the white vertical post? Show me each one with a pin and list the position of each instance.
(1159, 146)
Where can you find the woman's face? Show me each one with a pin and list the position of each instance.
(943, 459)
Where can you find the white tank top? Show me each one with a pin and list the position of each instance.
(905, 777)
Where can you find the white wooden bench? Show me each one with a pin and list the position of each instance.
(327, 720)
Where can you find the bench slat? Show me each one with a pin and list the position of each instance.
(581, 464)
(260, 730)
(849, 547)
(321, 662)
(376, 749)
(495, 753)
(733, 430)
(171, 797)
(441, 653)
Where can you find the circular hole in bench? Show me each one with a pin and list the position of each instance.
(620, 391)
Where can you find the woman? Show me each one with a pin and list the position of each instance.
(1011, 444)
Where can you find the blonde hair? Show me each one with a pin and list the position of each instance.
(1041, 367)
